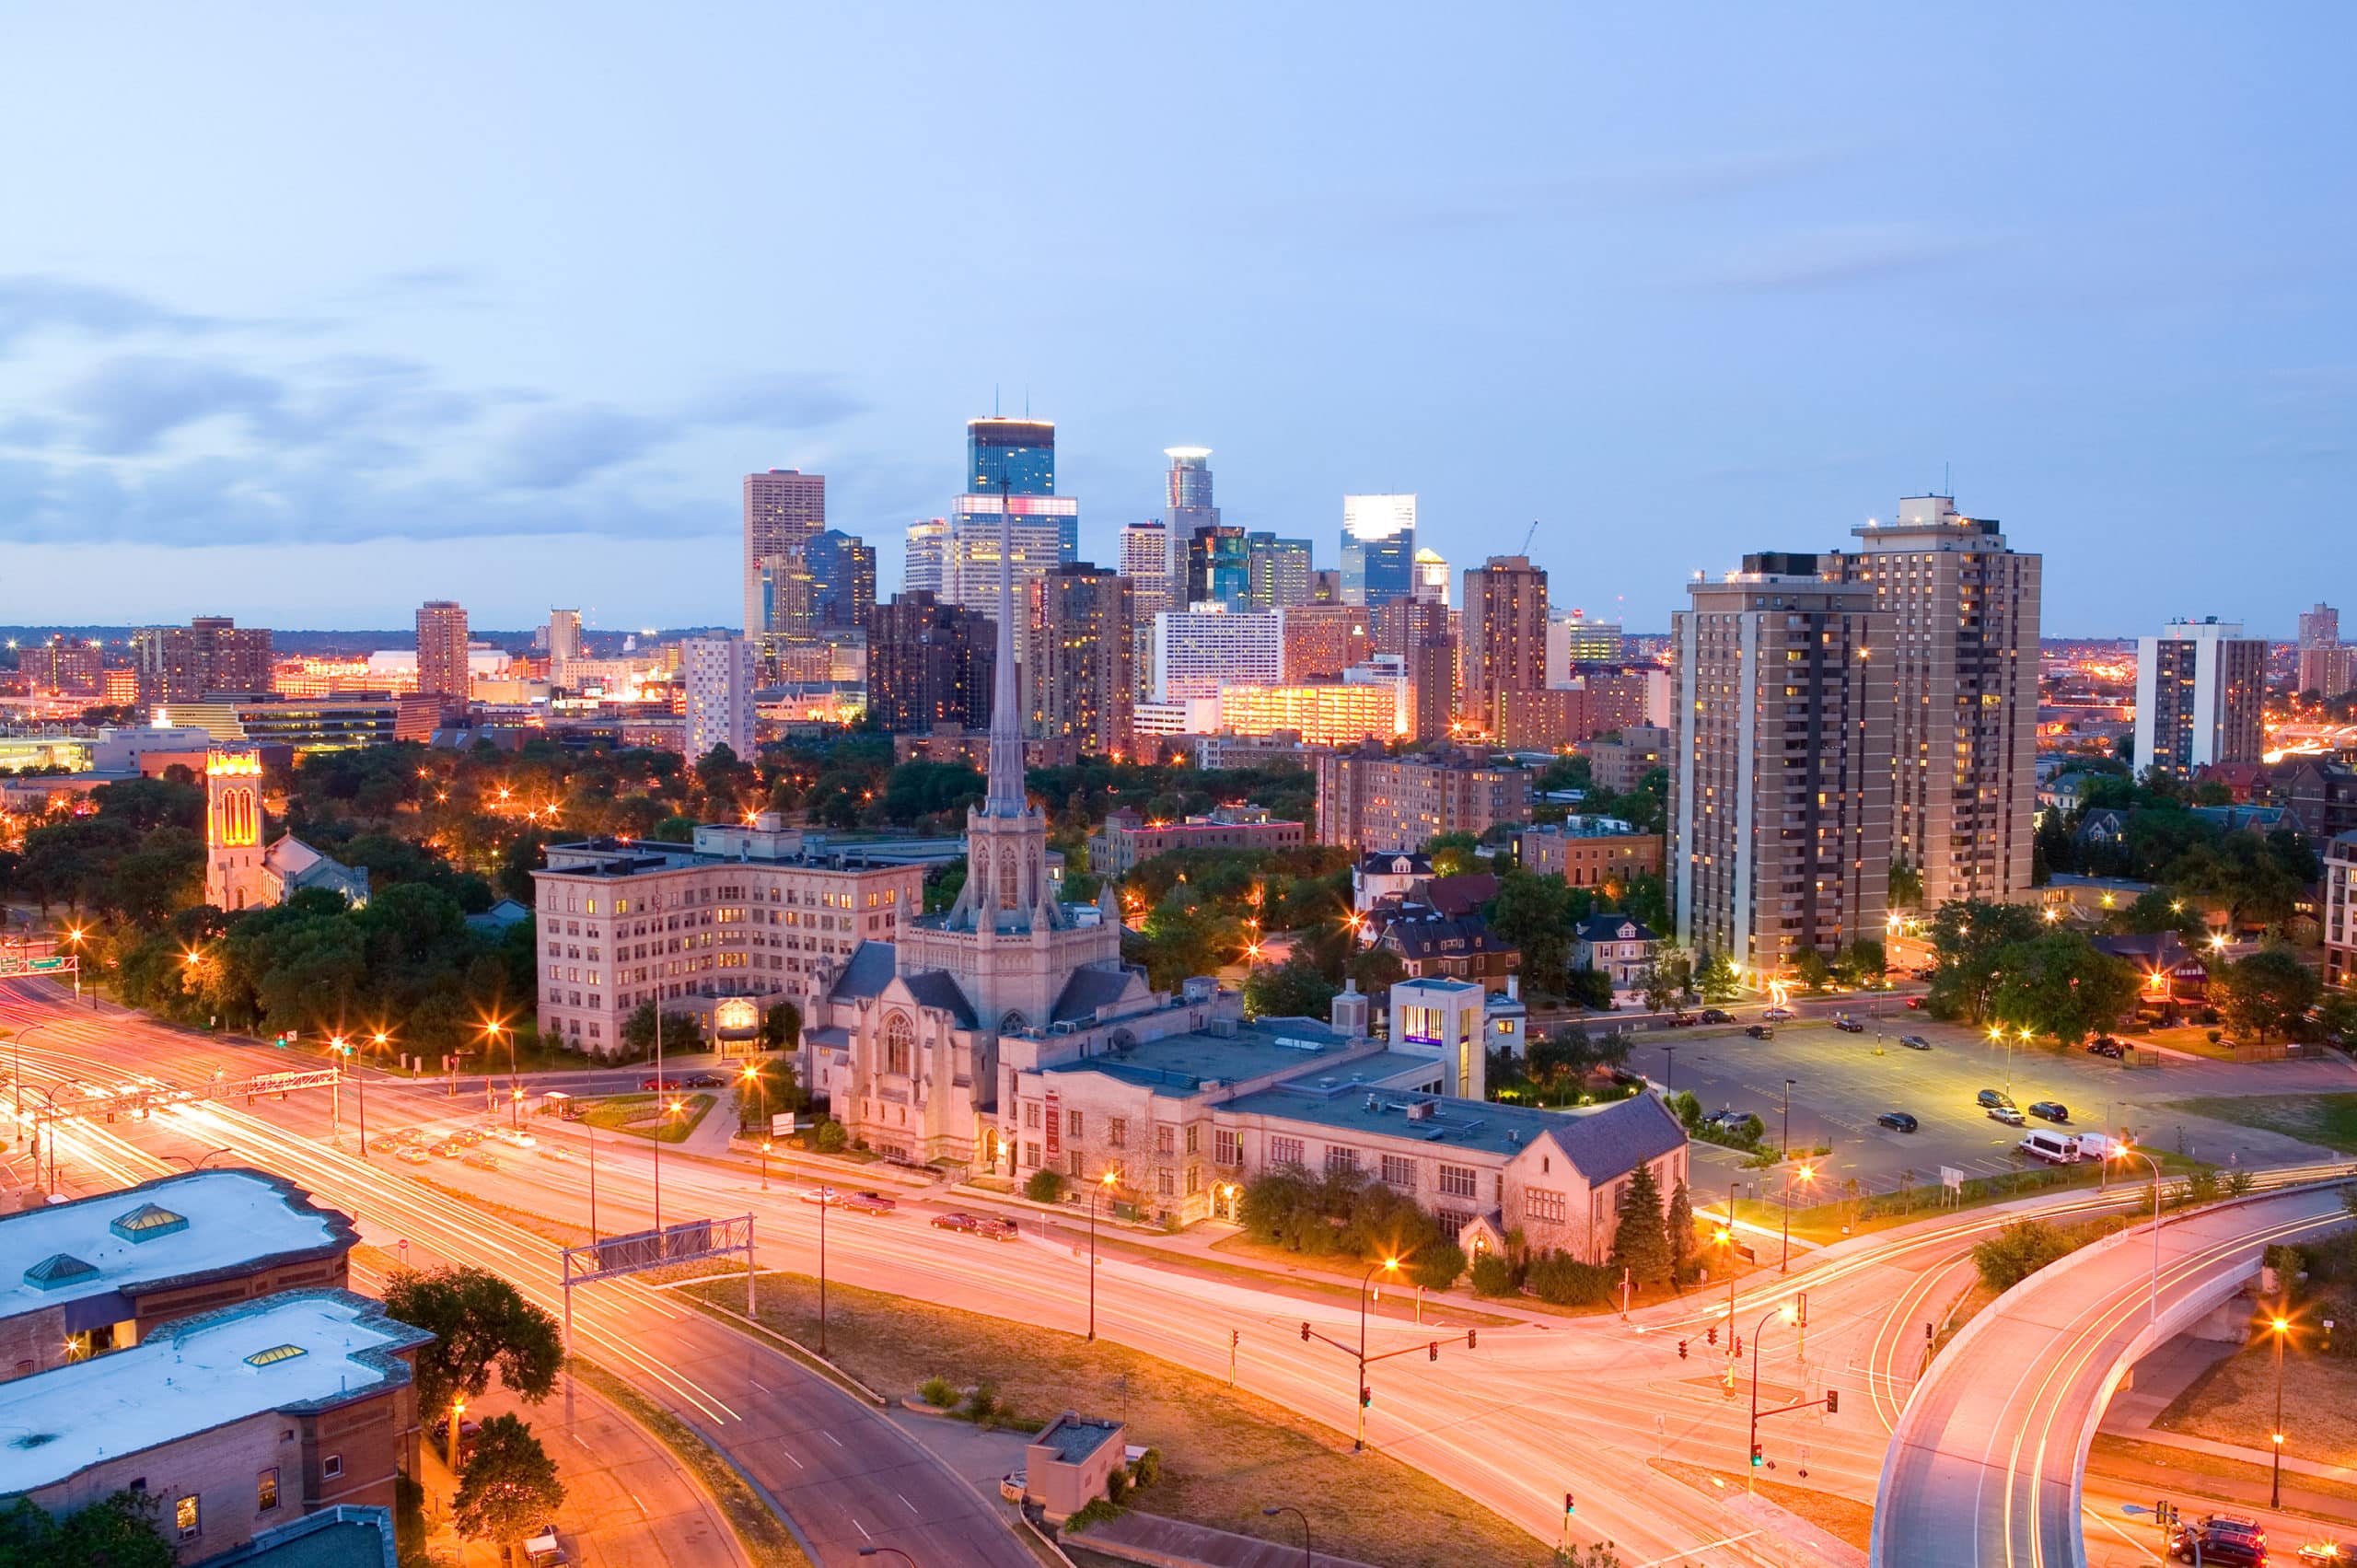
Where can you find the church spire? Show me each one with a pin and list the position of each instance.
(1005, 797)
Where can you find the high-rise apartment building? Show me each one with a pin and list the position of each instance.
(1505, 636)
(929, 662)
(1195, 651)
(1017, 458)
(442, 651)
(1276, 571)
(1574, 639)
(1963, 657)
(1780, 779)
(1186, 506)
(782, 508)
(212, 653)
(1368, 799)
(1219, 569)
(1424, 635)
(1145, 561)
(1379, 548)
(922, 568)
(1077, 674)
(1318, 642)
(2200, 689)
(717, 675)
(1428, 577)
(2325, 667)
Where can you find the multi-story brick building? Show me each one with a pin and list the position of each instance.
(742, 912)
(1368, 799)
(1318, 642)
(1127, 841)
(1078, 678)
(1618, 764)
(929, 662)
(1591, 852)
(1779, 787)
(58, 668)
(211, 654)
(1506, 638)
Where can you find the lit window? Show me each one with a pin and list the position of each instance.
(185, 1515)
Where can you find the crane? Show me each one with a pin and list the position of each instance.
(1528, 536)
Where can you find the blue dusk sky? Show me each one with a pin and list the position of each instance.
(309, 313)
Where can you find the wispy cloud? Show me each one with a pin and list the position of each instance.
(1835, 255)
(32, 303)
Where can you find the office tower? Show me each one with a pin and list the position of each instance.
(716, 674)
(1145, 561)
(1325, 585)
(842, 580)
(782, 508)
(442, 651)
(927, 549)
(2325, 667)
(1428, 577)
(178, 664)
(970, 557)
(1218, 570)
(929, 662)
(564, 632)
(2199, 687)
(1277, 571)
(1964, 616)
(1379, 548)
(1319, 642)
(1780, 779)
(1077, 673)
(786, 620)
(1017, 458)
(1196, 650)
(1186, 506)
(1574, 640)
(1505, 636)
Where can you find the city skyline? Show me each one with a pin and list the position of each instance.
(324, 433)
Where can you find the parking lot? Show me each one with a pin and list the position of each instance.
(1840, 1084)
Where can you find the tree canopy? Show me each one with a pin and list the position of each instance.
(481, 1323)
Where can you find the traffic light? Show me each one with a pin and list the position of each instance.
(1737, 1341)
(1432, 1351)
(1305, 1332)
(1755, 1455)
(1366, 1396)
(1567, 1503)
(1927, 1333)
(1234, 1338)
(1469, 1339)
(1711, 1335)
(1833, 1402)
(1681, 1350)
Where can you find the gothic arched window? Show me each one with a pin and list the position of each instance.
(1008, 896)
(900, 1043)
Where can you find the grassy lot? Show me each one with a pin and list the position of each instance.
(635, 1114)
(2234, 1402)
(2187, 1463)
(2329, 1119)
(1846, 1518)
(1225, 1453)
(1255, 1255)
(1822, 1223)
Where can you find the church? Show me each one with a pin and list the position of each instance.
(240, 871)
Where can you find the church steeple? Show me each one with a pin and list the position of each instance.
(1005, 796)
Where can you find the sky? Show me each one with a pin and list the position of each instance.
(307, 314)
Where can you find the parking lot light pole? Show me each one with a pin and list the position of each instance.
(2152, 1313)
(1807, 1173)
(1103, 1185)
(2275, 1485)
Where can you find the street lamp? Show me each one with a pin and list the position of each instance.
(1787, 1134)
(1103, 1185)
(350, 1052)
(17, 1075)
(2275, 1483)
(873, 1551)
(765, 1164)
(1807, 1173)
(1388, 1266)
(2123, 1150)
(1288, 1508)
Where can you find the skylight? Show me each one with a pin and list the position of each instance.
(275, 1352)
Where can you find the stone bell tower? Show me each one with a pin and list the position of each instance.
(233, 878)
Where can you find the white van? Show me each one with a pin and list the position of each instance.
(2057, 1148)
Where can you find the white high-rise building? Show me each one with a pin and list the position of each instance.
(718, 675)
(1198, 651)
(2200, 689)
(1431, 578)
(928, 548)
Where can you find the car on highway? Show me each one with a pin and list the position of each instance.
(1680, 1020)
(516, 1136)
(1717, 1016)
(449, 1149)
(404, 1136)
(1898, 1122)
(409, 1153)
(955, 1220)
(2008, 1115)
(1915, 1042)
(657, 1086)
(2107, 1046)
(1759, 1031)
(481, 1159)
(469, 1135)
(826, 1195)
(2050, 1111)
(2328, 1554)
(1915, 1003)
(1849, 1025)
(1776, 1015)
(1993, 1097)
(2220, 1541)
(703, 1080)
(996, 1229)
(870, 1204)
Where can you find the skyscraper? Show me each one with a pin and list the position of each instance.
(927, 550)
(1218, 568)
(717, 675)
(1186, 506)
(1964, 615)
(1428, 577)
(1196, 650)
(842, 581)
(1572, 639)
(1277, 571)
(1016, 457)
(1505, 636)
(1379, 548)
(565, 643)
(2200, 688)
(1145, 561)
(212, 653)
(1321, 641)
(442, 651)
(929, 662)
(1077, 674)
(2326, 667)
(1780, 777)
(782, 508)
(970, 556)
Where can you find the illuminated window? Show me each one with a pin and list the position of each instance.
(185, 1515)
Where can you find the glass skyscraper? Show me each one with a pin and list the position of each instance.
(1218, 568)
(842, 580)
(1017, 457)
(1379, 548)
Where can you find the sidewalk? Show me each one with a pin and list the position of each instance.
(1171, 1543)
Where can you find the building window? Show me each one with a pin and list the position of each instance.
(1031, 1154)
(900, 1044)
(1284, 1151)
(1166, 1184)
(1117, 1132)
(185, 1515)
(1165, 1140)
(1339, 1158)
(1031, 1113)
(1226, 1147)
(1399, 1171)
(1194, 1179)
(1545, 1205)
(1457, 1181)
(265, 1490)
(331, 1466)
(1191, 1138)
(1071, 1124)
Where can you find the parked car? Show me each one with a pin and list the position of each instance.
(541, 1548)
(954, 1220)
(2008, 1115)
(1013, 1486)
(1849, 1025)
(1760, 1032)
(2103, 1045)
(870, 1204)
(2050, 1111)
(1717, 1016)
(1915, 1003)
(468, 1430)
(1776, 1015)
(1898, 1122)
(1995, 1098)
(703, 1080)
(1915, 1042)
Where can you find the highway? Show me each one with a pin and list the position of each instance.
(1986, 1464)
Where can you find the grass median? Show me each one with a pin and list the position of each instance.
(633, 1113)
(2329, 1119)
(1227, 1453)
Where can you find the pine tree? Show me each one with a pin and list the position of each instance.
(1680, 1225)
(1639, 1244)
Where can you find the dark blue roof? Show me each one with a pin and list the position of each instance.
(939, 989)
(869, 971)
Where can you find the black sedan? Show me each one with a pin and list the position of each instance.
(1760, 1032)
(1849, 1025)
(1898, 1122)
(2050, 1110)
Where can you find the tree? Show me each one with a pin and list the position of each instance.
(118, 1530)
(1716, 976)
(1679, 1223)
(1291, 990)
(1452, 853)
(2158, 911)
(1861, 963)
(1437, 1264)
(782, 1027)
(1660, 988)
(1534, 914)
(479, 1322)
(2269, 992)
(1640, 1245)
(507, 1485)
(1045, 1186)
(1906, 885)
(1811, 969)
(2019, 1250)
(2060, 983)
(1589, 988)
(1967, 936)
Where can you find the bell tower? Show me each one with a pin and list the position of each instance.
(234, 879)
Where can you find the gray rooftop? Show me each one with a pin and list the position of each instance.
(1073, 1438)
(1180, 1065)
(1602, 1144)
